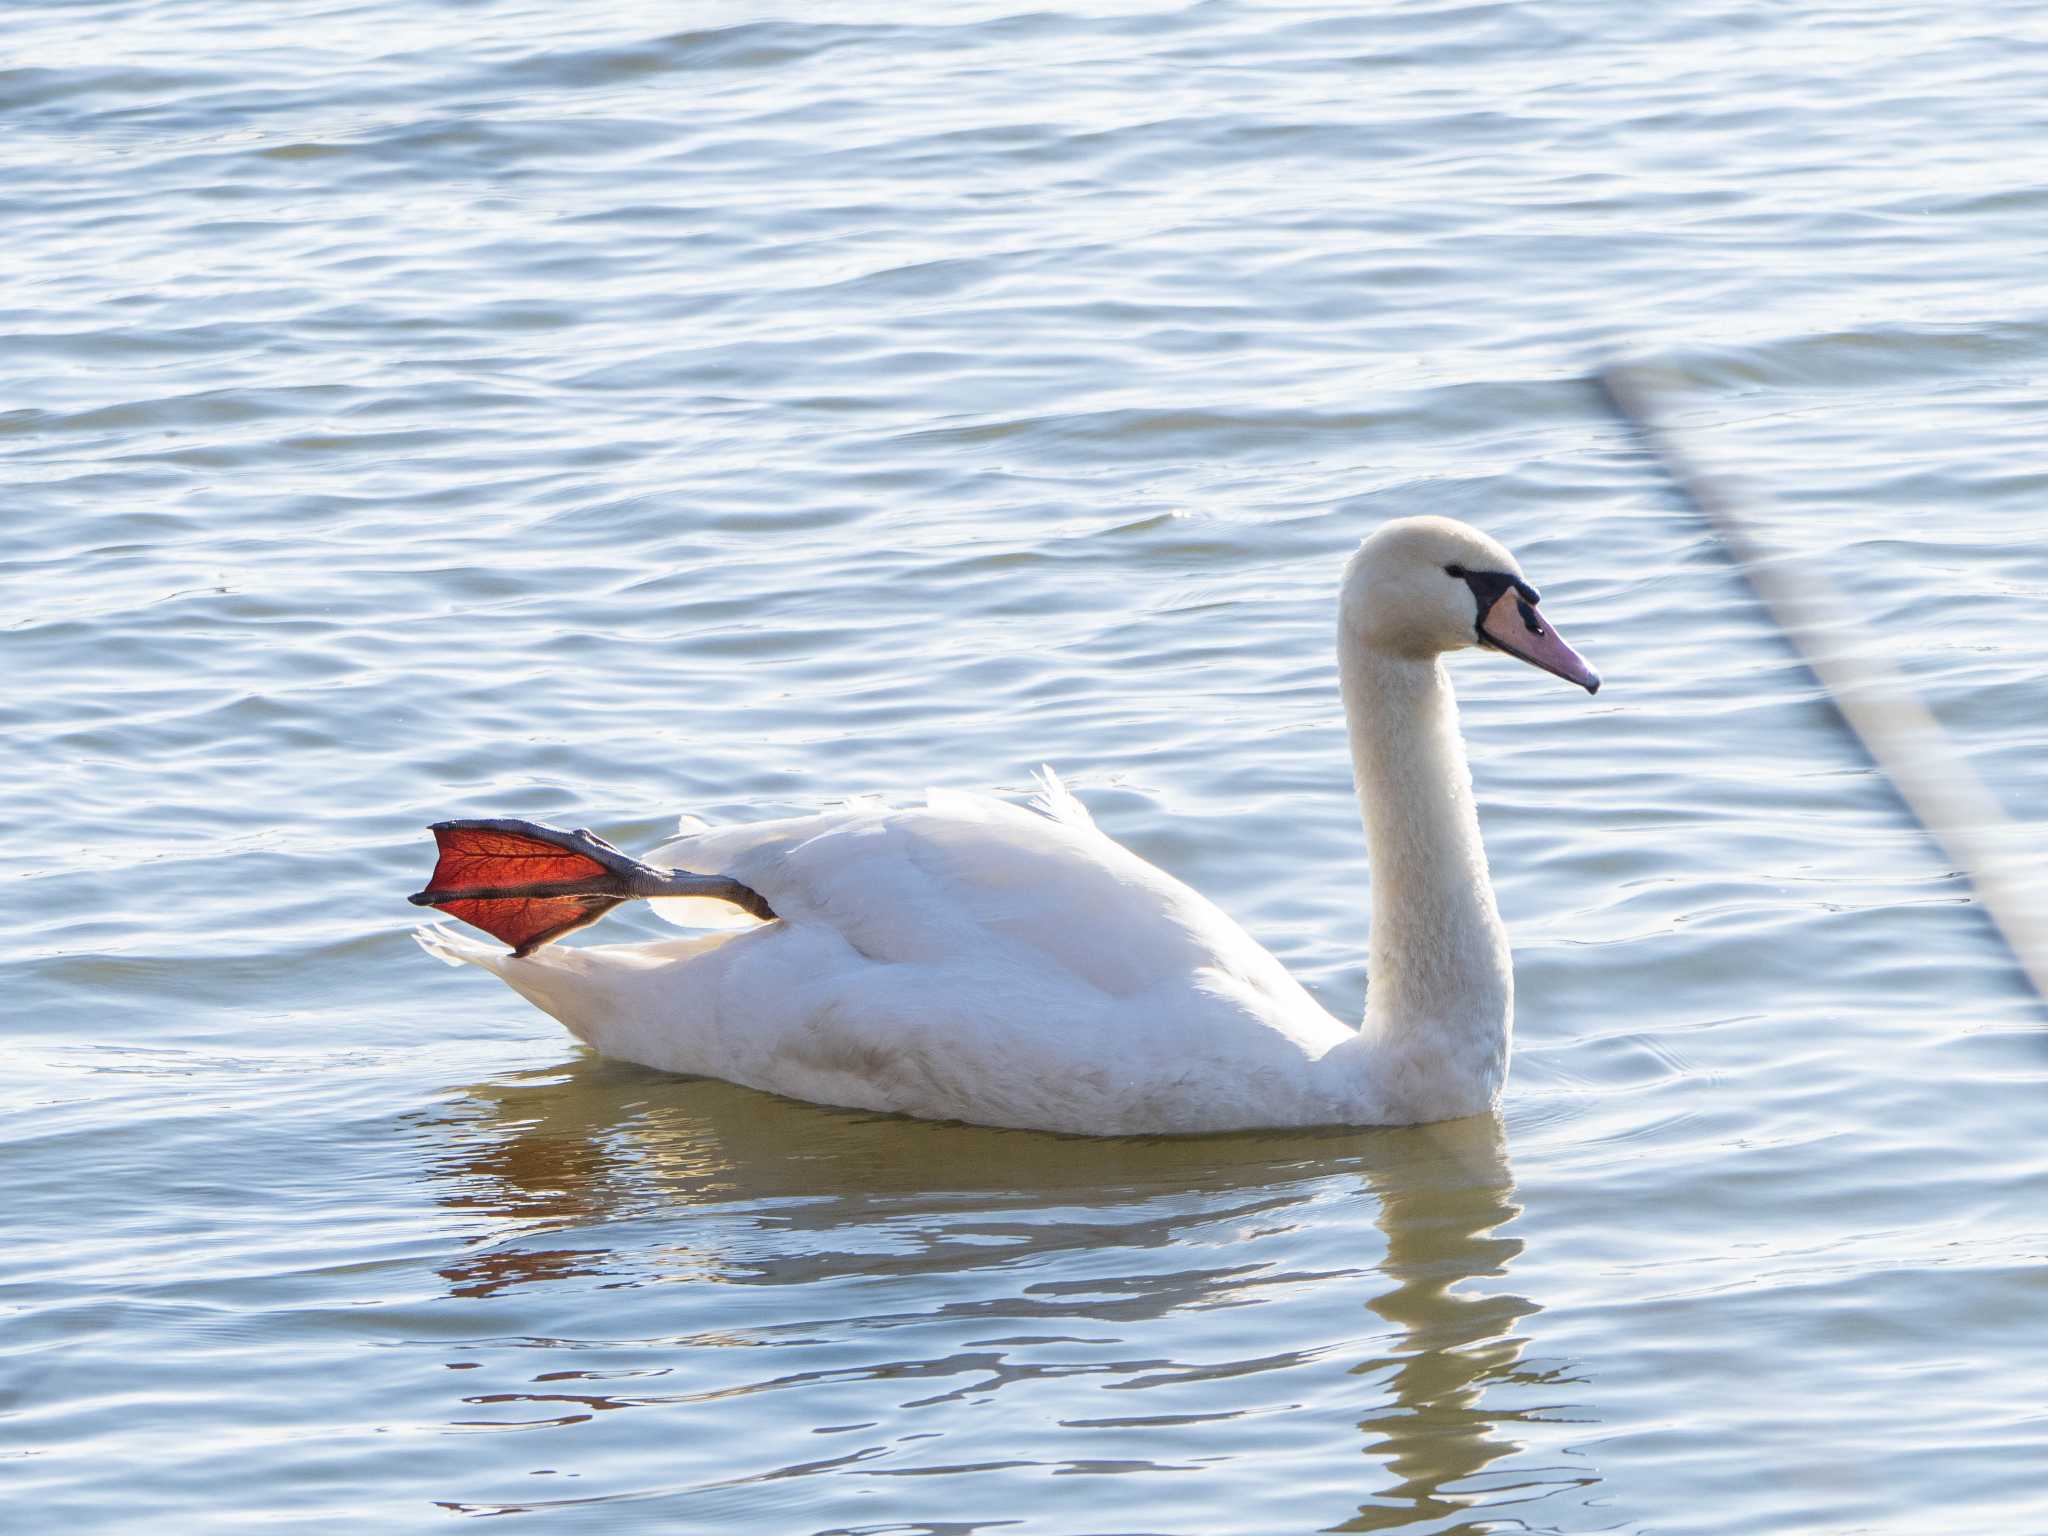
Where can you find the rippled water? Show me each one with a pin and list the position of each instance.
(589, 414)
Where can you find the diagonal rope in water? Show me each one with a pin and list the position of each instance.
(1902, 736)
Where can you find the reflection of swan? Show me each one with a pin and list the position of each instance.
(593, 1140)
(972, 961)
(1442, 1223)
(1122, 1299)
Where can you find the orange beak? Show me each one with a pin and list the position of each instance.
(1513, 625)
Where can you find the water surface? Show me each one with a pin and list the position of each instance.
(596, 414)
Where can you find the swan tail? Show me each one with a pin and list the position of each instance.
(527, 885)
(1054, 799)
(451, 948)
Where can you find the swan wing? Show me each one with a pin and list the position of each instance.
(970, 875)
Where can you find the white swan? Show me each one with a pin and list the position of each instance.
(972, 960)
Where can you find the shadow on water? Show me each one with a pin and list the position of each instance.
(610, 1177)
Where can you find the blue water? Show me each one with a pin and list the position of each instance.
(597, 413)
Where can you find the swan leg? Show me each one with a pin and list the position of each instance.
(527, 885)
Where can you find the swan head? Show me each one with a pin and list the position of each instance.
(1421, 586)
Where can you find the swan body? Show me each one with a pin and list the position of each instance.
(974, 960)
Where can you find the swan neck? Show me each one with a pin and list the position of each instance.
(1440, 998)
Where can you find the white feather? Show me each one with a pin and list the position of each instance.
(1054, 799)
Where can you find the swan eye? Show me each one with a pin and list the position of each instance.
(1455, 570)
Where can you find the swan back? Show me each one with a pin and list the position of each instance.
(926, 884)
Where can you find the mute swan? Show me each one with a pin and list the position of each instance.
(972, 960)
